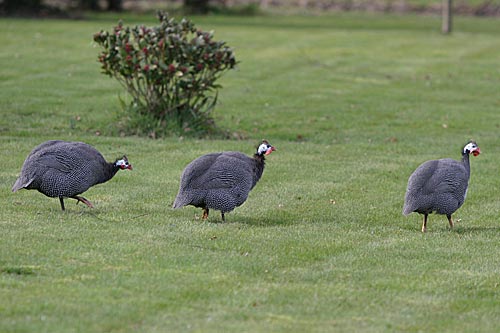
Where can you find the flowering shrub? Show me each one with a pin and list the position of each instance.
(170, 71)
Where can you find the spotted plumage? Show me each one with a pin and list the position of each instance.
(221, 181)
(65, 169)
(439, 186)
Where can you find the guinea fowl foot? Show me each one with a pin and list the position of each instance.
(61, 200)
(205, 214)
(424, 224)
(82, 199)
(450, 221)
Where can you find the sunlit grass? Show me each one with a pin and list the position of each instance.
(353, 107)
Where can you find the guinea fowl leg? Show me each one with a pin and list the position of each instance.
(450, 221)
(424, 224)
(223, 218)
(62, 202)
(82, 199)
(205, 213)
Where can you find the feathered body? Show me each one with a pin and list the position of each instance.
(439, 186)
(65, 169)
(221, 181)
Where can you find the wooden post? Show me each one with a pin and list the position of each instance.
(447, 16)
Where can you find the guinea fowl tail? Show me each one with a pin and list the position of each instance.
(407, 210)
(178, 203)
(19, 184)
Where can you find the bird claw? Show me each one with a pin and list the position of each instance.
(205, 214)
(85, 201)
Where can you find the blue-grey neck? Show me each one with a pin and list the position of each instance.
(466, 162)
(110, 169)
(259, 167)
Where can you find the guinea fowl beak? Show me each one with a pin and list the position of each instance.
(270, 150)
(476, 152)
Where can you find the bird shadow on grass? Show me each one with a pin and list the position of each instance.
(235, 218)
(248, 220)
(264, 221)
(463, 230)
(90, 214)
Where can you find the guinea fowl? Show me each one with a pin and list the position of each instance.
(66, 169)
(221, 181)
(439, 186)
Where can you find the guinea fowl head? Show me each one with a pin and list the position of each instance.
(265, 148)
(123, 163)
(471, 148)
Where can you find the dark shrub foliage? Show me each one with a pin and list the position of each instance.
(170, 71)
(10, 6)
(197, 6)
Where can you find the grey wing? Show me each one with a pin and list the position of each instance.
(36, 165)
(229, 172)
(191, 185)
(55, 160)
(195, 173)
(63, 156)
(419, 188)
(449, 177)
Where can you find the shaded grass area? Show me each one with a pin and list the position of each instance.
(353, 104)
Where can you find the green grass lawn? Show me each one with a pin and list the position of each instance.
(353, 103)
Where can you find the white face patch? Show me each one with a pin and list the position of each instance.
(262, 148)
(122, 163)
(469, 147)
